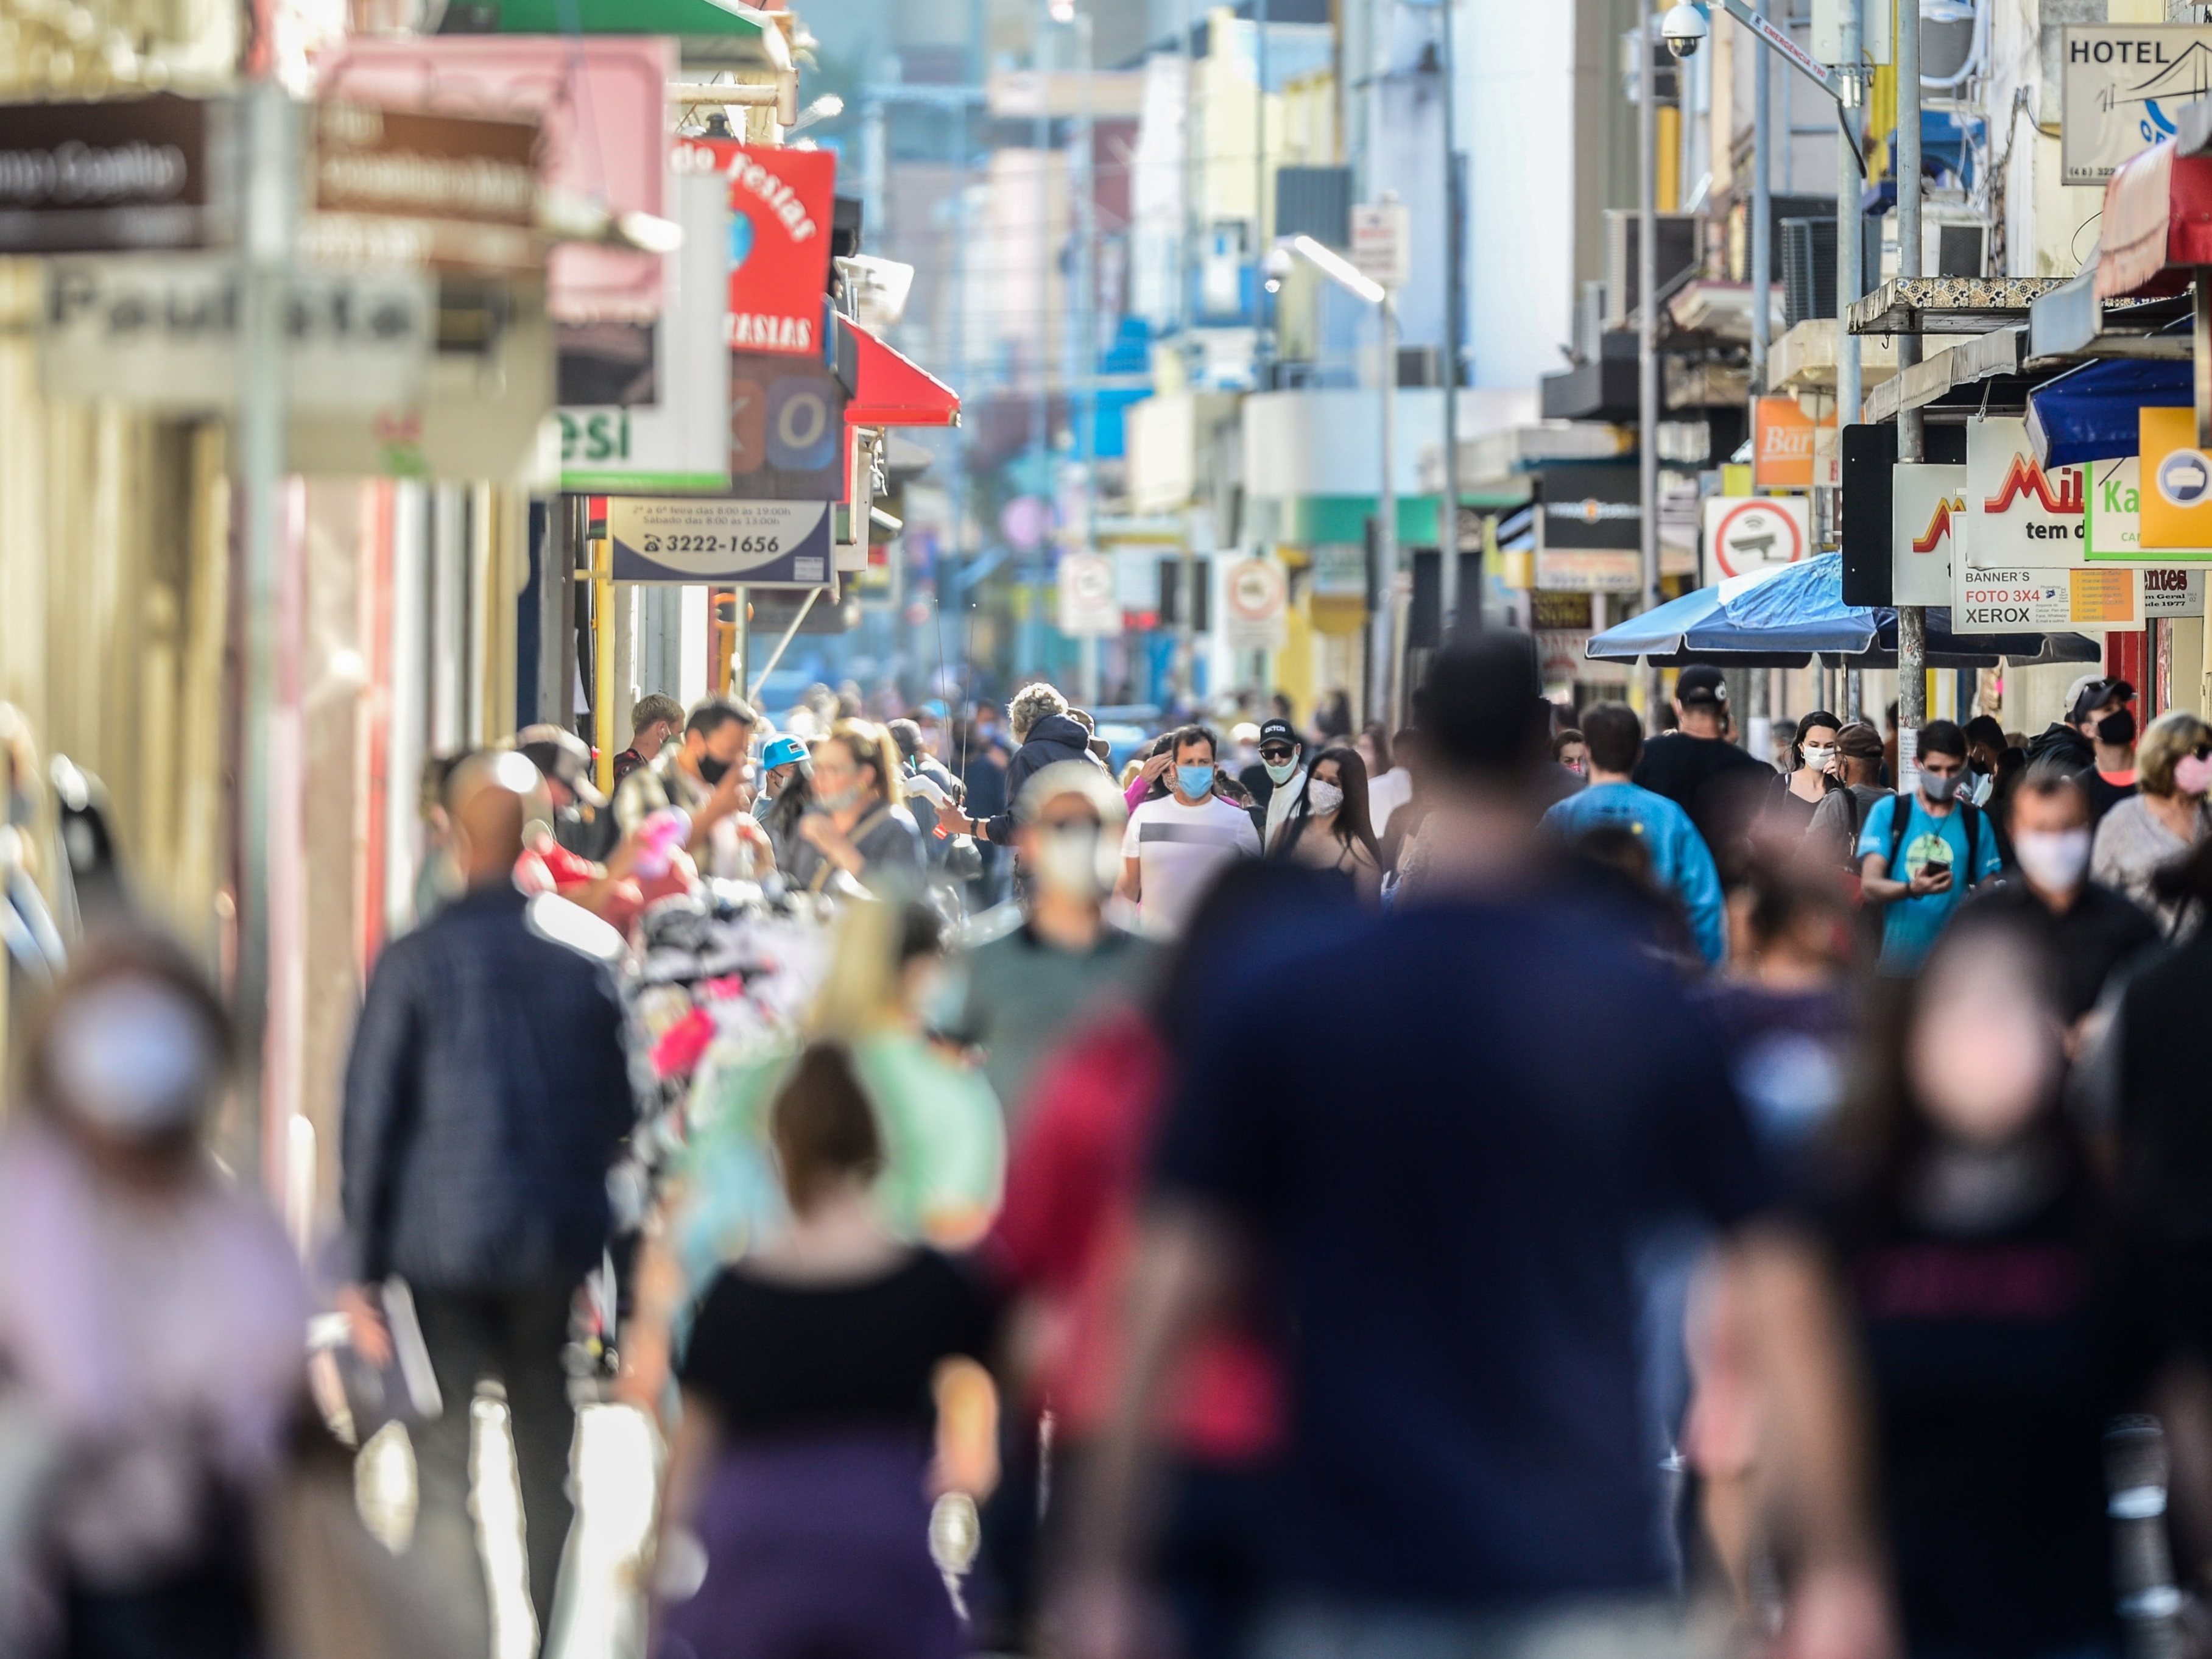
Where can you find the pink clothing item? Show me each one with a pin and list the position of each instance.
(1140, 787)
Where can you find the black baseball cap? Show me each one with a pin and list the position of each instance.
(1279, 730)
(2095, 694)
(560, 754)
(1701, 683)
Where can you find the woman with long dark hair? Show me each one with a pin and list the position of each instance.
(1329, 828)
(1812, 775)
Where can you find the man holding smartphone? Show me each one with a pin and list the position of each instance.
(1937, 843)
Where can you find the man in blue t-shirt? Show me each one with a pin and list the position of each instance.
(1914, 867)
(1680, 863)
(1445, 1216)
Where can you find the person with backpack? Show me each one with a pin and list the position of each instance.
(1833, 834)
(1920, 854)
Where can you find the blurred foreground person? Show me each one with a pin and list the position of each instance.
(2085, 931)
(1329, 828)
(1033, 974)
(1724, 788)
(796, 1515)
(1679, 863)
(2161, 824)
(485, 1097)
(2003, 1323)
(1468, 1470)
(1920, 854)
(152, 1321)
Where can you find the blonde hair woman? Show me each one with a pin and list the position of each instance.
(2165, 818)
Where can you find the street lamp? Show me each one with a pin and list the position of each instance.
(1355, 282)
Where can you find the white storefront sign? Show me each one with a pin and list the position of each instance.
(2123, 86)
(2020, 514)
(2022, 600)
(1748, 533)
(705, 539)
(1927, 507)
(1090, 597)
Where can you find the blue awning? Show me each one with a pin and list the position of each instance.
(2088, 414)
(1780, 619)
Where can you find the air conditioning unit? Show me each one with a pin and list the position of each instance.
(1808, 269)
(1677, 258)
(1955, 246)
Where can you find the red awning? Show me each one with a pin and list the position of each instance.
(2158, 222)
(895, 391)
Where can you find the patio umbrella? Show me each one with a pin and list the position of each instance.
(1780, 619)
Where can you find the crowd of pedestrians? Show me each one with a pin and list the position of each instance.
(1501, 1187)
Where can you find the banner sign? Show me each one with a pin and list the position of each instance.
(2008, 601)
(114, 174)
(745, 543)
(2115, 519)
(781, 204)
(1747, 533)
(2021, 515)
(1928, 508)
(2170, 590)
(443, 193)
(2122, 85)
(787, 429)
(1782, 455)
(2175, 500)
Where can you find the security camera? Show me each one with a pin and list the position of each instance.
(1684, 29)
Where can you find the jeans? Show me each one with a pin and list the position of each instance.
(1617, 1628)
(514, 1337)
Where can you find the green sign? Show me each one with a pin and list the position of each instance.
(605, 17)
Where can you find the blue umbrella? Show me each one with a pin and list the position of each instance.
(1780, 619)
(2088, 414)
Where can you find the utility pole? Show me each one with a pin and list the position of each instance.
(1911, 432)
(1085, 398)
(1762, 292)
(1849, 266)
(1647, 331)
(1449, 596)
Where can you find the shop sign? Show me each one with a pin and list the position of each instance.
(746, 543)
(450, 193)
(2008, 601)
(114, 174)
(2115, 517)
(161, 330)
(1576, 572)
(2121, 86)
(1090, 599)
(1256, 600)
(1927, 508)
(601, 104)
(781, 204)
(2021, 514)
(787, 429)
(1340, 570)
(2175, 497)
(1383, 242)
(676, 443)
(2172, 591)
(1747, 533)
(1783, 434)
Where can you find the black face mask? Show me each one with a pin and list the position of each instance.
(713, 771)
(2117, 729)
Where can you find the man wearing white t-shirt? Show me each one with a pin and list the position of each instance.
(1175, 845)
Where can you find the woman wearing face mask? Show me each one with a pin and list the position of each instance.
(152, 1318)
(2002, 1319)
(1812, 775)
(856, 826)
(1328, 828)
(2165, 820)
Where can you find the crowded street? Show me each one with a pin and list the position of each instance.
(1105, 829)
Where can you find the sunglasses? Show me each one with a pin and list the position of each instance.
(1276, 752)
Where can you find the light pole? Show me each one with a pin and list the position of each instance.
(1449, 596)
(1911, 429)
(1646, 335)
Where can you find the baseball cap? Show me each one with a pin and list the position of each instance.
(560, 754)
(782, 751)
(1860, 741)
(2089, 695)
(1279, 730)
(1244, 732)
(1700, 683)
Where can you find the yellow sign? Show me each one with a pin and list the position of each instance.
(2103, 599)
(2176, 481)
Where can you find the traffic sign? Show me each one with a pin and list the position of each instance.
(1751, 532)
(1383, 242)
(1089, 601)
(1257, 596)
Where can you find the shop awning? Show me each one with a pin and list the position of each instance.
(893, 391)
(1780, 619)
(2158, 222)
(726, 18)
(2088, 414)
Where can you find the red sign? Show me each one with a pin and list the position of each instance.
(780, 202)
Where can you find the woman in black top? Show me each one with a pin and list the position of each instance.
(2002, 1323)
(797, 1511)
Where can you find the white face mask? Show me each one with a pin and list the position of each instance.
(2053, 859)
(1820, 759)
(132, 1058)
(1323, 798)
(1076, 862)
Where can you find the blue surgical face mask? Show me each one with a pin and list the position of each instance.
(1195, 781)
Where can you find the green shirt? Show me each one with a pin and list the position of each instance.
(1023, 995)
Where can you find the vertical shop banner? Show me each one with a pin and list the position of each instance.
(676, 443)
(1753, 532)
(781, 205)
(2176, 495)
(1782, 455)
(1928, 508)
(2021, 515)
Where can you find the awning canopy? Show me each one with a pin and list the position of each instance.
(892, 391)
(728, 18)
(2158, 222)
(1780, 619)
(2088, 414)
